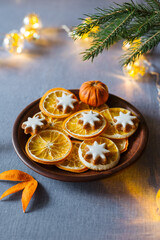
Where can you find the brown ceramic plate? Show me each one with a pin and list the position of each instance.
(137, 143)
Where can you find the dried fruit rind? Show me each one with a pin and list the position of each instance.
(28, 193)
(15, 175)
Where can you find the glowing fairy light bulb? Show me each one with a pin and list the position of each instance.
(85, 36)
(32, 21)
(127, 45)
(137, 69)
(14, 42)
(30, 33)
(93, 30)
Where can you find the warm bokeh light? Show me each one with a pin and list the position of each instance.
(14, 42)
(133, 183)
(86, 36)
(137, 69)
(127, 45)
(32, 21)
(30, 33)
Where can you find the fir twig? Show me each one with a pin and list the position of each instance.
(128, 21)
(146, 44)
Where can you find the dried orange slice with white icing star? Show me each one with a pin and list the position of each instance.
(122, 123)
(99, 154)
(53, 123)
(48, 147)
(58, 103)
(72, 163)
(85, 124)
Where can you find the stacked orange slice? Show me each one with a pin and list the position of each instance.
(53, 123)
(112, 158)
(72, 163)
(72, 126)
(112, 132)
(93, 125)
(84, 106)
(48, 103)
(48, 147)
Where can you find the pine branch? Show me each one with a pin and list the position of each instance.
(143, 25)
(143, 47)
(107, 36)
(128, 21)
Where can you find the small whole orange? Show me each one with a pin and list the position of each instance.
(94, 93)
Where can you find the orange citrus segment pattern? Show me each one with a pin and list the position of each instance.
(73, 163)
(75, 129)
(48, 103)
(48, 146)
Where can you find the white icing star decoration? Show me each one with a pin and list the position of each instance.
(66, 101)
(89, 118)
(34, 122)
(124, 119)
(97, 150)
(32, 125)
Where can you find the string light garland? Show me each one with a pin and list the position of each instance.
(86, 36)
(140, 68)
(31, 28)
(14, 40)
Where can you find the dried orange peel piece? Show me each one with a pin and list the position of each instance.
(16, 188)
(15, 175)
(48, 103)
(72, 126)
(112, 132)
(73, 163)
(28, 193)
(48, 147)
(28, 185)
(112, 158)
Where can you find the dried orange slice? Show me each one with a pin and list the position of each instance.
(84, 106)
(48, 147)
(49, 103)
(122, 144)
(72, 163)
(112, 157)
(111, 131)
(53, 123)
(72, 126)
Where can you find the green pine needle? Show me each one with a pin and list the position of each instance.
(128, 21)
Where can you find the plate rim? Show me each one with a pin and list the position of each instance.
(77, 178)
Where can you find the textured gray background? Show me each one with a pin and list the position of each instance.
(120, 207)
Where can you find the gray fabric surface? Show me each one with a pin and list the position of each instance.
(120, 207)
